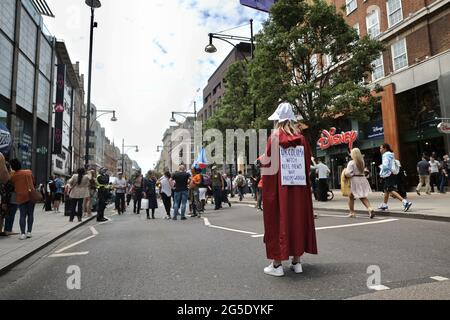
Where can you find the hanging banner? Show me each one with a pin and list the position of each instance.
(330, 138)
(292, 162)
(59, 109)
(261, 5)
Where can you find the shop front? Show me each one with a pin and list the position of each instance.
(418, 112)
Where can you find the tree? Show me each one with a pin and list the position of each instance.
(307, 55)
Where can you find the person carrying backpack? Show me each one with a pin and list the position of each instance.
(389, 171)
(240, 182)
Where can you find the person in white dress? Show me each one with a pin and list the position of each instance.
(359, 185)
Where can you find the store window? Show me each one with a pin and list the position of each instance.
(373, 24)
(23, 142)
(394, 11)
(418, 108)
(6, 66)
(8, 17)
(399, 55)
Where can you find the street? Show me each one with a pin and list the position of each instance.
(222, 256)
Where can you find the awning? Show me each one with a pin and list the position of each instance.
(43, 8)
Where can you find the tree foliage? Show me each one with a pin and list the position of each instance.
(309, 56)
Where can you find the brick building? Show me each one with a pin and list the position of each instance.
(414, 70)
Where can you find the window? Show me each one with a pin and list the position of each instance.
(25, 83)
(8, 17)
(399, 55)
(356, 27)
(45, 62)
(373, 24)
(351, 6)
(378, 68)
(394, 11)
(28, 33)
(6, 66)
(43, 98)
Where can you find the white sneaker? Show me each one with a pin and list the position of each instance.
(22, 237)
(276, 272)
(29, 235)
(383, 207)
(297, 268)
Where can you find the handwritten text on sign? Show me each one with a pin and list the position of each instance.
(293, 171)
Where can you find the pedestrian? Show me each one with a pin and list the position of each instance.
(138, 190)
(150, 182)
(129, 193)
(166, 192)
(260, 195)
(202, 191)
(323, 172)
(102, 183)
(8, 203)
(59, 193)
(434, 173)
(88, 201)
(423, 169)
(240, 183)
(359, 185)
(389, 169)
(445, 165)
(218, 187)
(120, 186)
(181, 181)
(23, 183)
(194, 186)
(288, 210)
(402, 181)
(4, 173)
(226, 189)
(79, 190)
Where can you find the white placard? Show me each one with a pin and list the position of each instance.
(292, 162)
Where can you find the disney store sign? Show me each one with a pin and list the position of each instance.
(444, 127)
(331, 138)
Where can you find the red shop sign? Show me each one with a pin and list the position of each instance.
(330, 138)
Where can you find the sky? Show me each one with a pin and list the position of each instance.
(148, 59)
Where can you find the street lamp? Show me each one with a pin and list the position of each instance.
(183, 114)
(93, 4)
(123, 153)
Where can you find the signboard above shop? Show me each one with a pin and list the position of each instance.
(331, 138)
(262, 5)
(444, 127)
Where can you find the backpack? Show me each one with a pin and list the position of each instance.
(52, 186)
(206, 180)
(395, 167)
(240, 181)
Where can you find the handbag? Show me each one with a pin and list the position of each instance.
(345, 185)
(145, 204)
(34, 196)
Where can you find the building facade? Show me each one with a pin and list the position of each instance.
(215, 89)
(26, 74)
(414, 70)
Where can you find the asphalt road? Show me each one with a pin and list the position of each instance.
(132, 258)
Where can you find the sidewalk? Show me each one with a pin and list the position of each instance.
(433, 207)
(47, 228)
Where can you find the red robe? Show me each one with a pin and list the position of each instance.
(288, 210)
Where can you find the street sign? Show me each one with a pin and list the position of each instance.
(444, 127)
(262, 5)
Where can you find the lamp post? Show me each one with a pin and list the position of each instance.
(123, 153)
(183, 114)
(93, 4)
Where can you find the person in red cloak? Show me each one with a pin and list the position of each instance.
(288, 209)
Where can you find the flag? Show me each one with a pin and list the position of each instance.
(201, 162)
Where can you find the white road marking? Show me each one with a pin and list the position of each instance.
(233, 230)
(62, 255)
(343, 226)
(74, 244)
(438, 278)
(379, 288)
(356, 224)
(109, 220)
(94, 232)
(206, 222)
